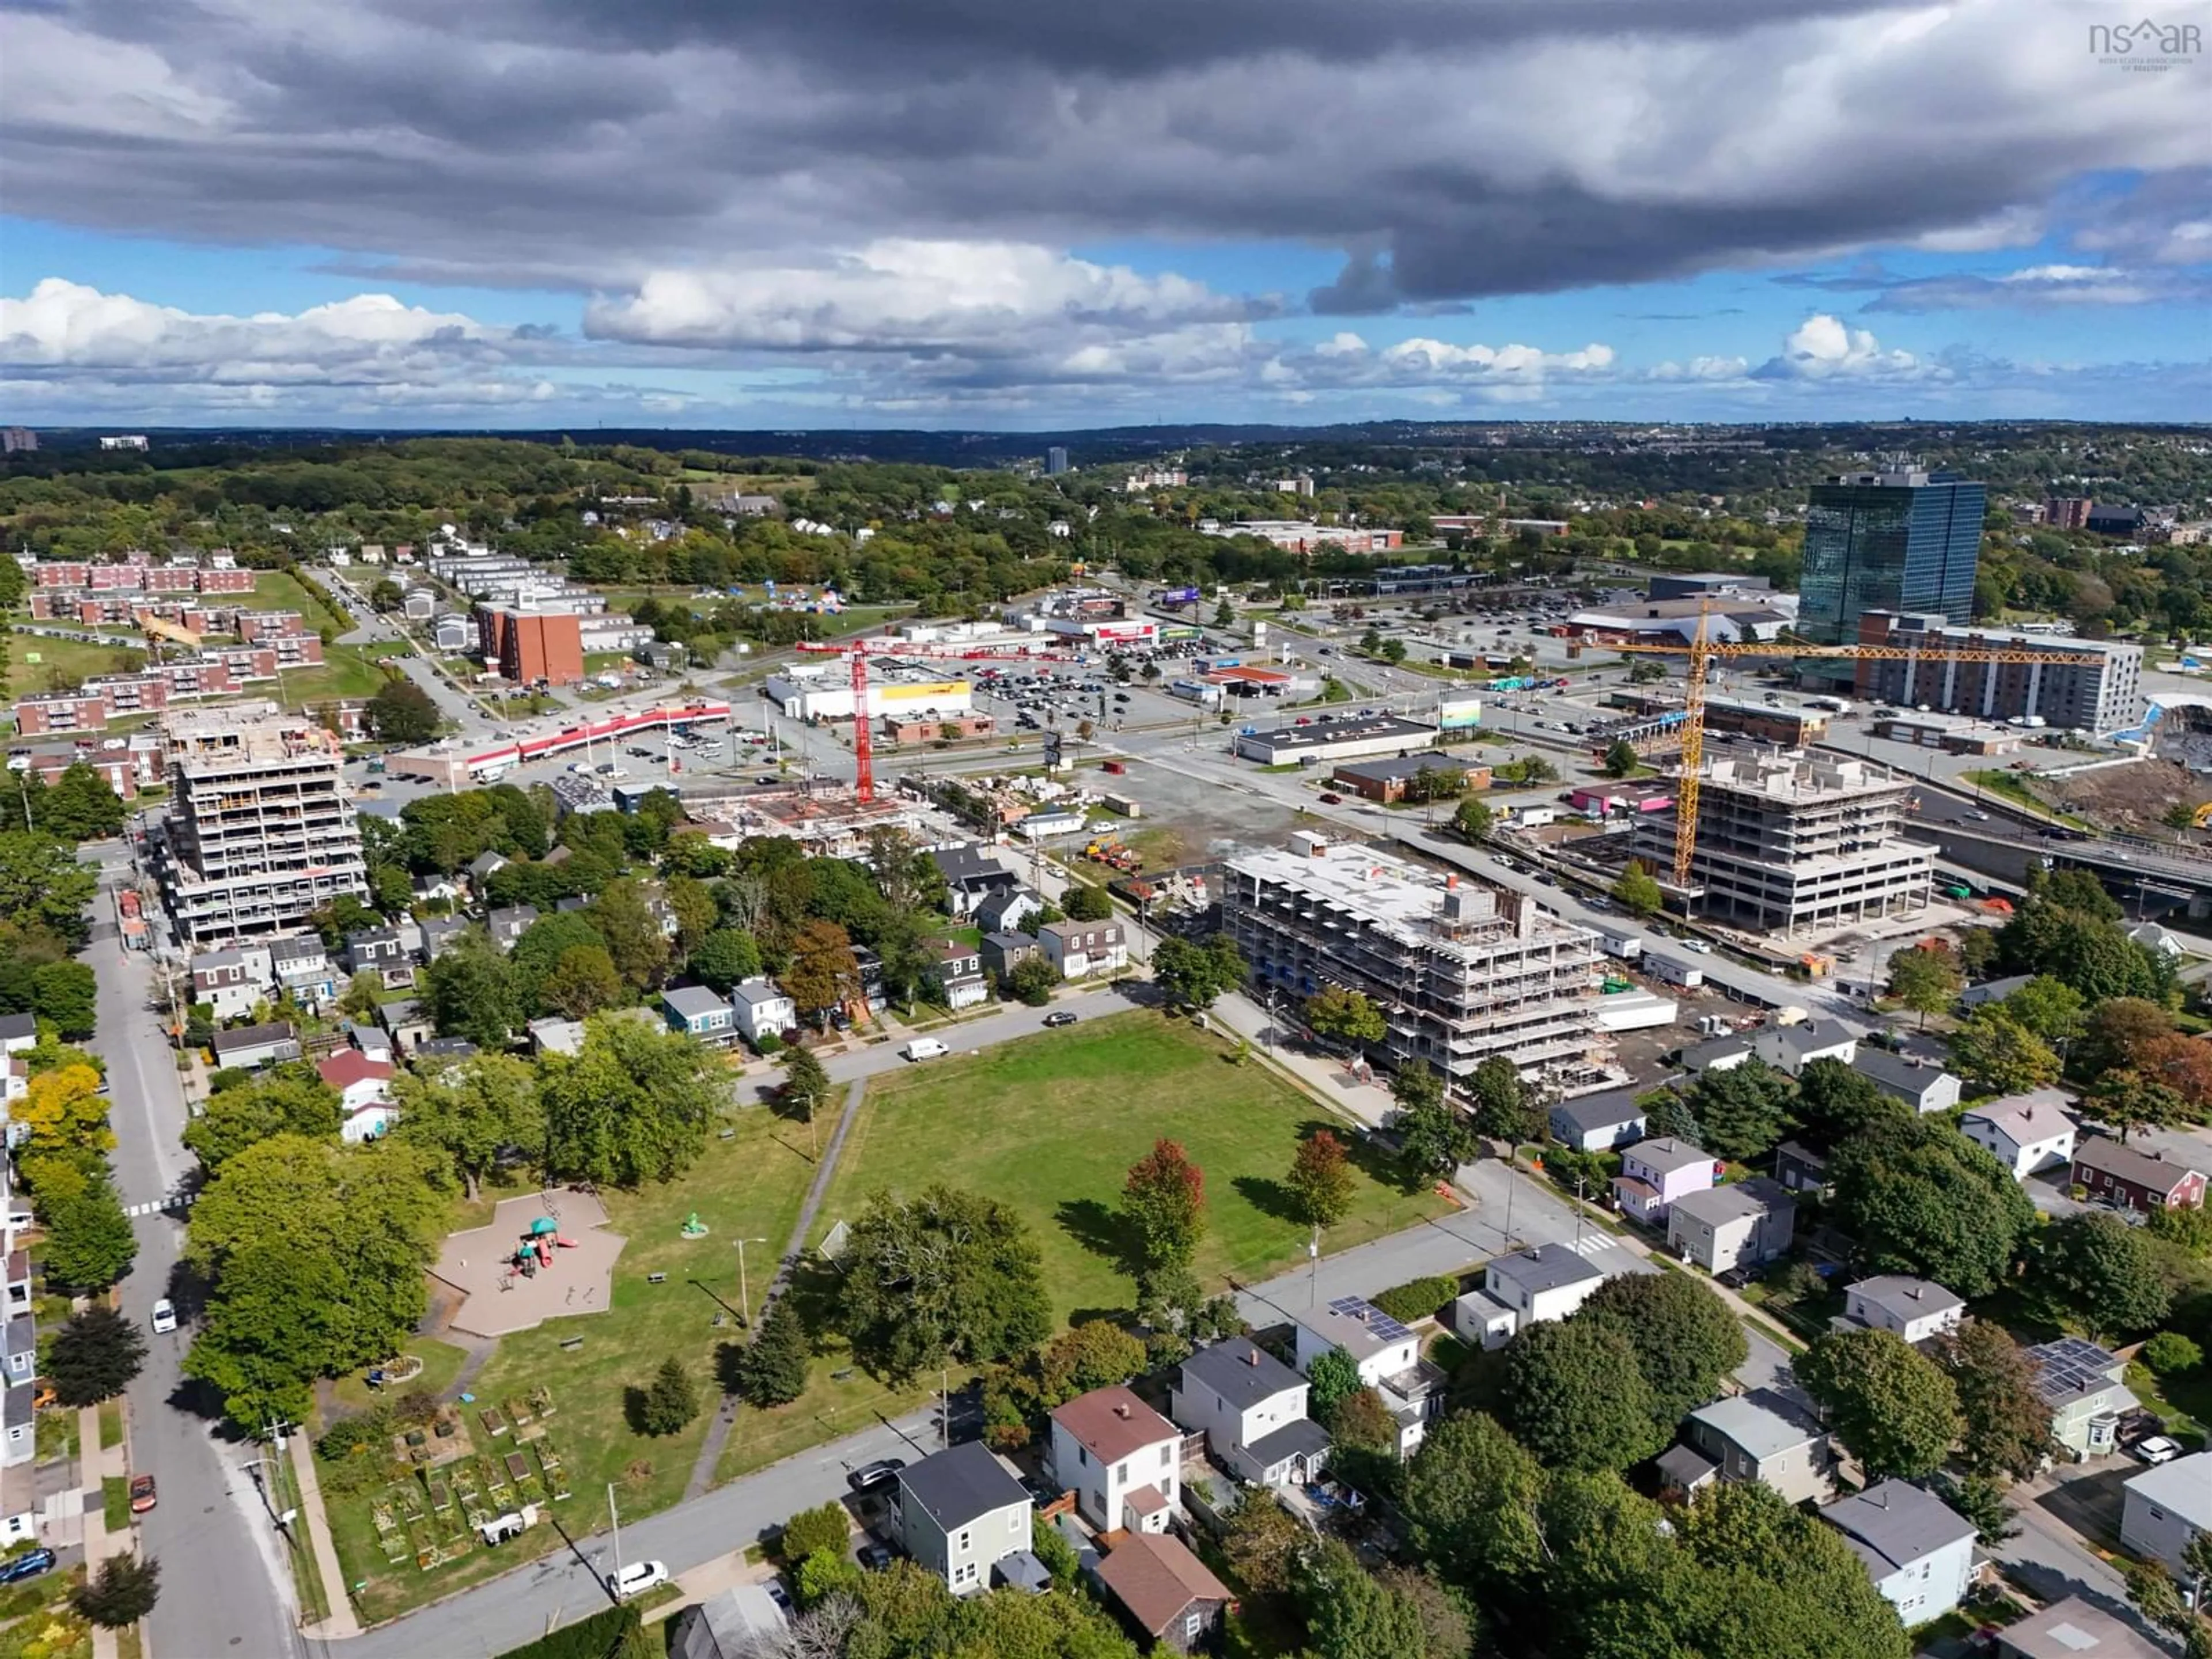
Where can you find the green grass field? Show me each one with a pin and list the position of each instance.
(280, 590)
(1051, 1124)
(63, 662)
(749, 1187)
(348, 671)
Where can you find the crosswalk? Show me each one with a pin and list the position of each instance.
(176, 1203)
(1589, 1244)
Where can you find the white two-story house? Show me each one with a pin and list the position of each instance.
(1387, 1355)
(1918, 1551)
(761, 1007)
(1120, 1458)
(1525, 1288)
(1251, 1407)
(2026, 1133)
(1915, 1309)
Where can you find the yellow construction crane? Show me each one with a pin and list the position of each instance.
(154, 629)
(1701, 652)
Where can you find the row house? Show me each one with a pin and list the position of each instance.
(1078, 949)
(254, 626)
(231, 982)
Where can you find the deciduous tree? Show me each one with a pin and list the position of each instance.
(1576, 1397)
(401, 712)
(472, 992)
(632, 1105)
(1895, 1410)
(1505, 1107)
(1924, 1200)
(2105, 1273)
(1998, 1053)
(1322, 1180)
(1637, 892)
(1334, 1377)
(470, 1112)
(292, 1101)
(723, 959)
(947, 1273)
(2007, 1420)
(1926, 980)
(1684, 1338)
(1346, 1016)
(1163, 1201)
(1193, 975)
(123, 1592)
(1744, 1109)
(583, 983)
(1470, 1503)
(824, 974)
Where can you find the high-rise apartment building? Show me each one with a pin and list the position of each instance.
(1789, 841)
(2103, 696)
(1900, 540)
(530, 646)
(2068, 512)
(1461, 971)
(1056, 460)
(18, 439)
(261, 831)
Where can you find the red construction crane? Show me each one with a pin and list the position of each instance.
(886, 646)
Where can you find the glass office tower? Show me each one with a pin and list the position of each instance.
(1888, 541)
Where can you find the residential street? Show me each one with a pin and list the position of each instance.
(222, 1557)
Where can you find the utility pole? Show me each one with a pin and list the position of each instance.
(745, 1299)
(615, 1521)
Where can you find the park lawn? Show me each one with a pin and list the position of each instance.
(68, 661)
(1051, 1124)
(750, 1186)
(348, 672)
(442, 1362)
(280, 590)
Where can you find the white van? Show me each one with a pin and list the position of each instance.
(924, 1048)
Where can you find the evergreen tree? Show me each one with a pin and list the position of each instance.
(668, 1404)
(772, 1371)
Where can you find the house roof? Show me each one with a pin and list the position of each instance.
(514, 918)
(2183, 1487)
(969, 863)
(19, 1025)
(1743, 1200)
(691, 1001)
(1606, 1111)
(725, 1626)
(1111, 1423)
(1995, 990)
(1391, 768)
(1686, 1467)
(1798, 1152)
(759, 994)
(349, 1066)
(1066, 930)
(373, 936)
(1762, 1422)
(1240, 1371)
(1700, 1055)
(1906, 1298)
(1009, 944)
(252, 1037)
(558, 1036)
(1355, 1325)
(1896, 1072)
(299, 947)
(958, 1486)
(209, 961)
(1894, 1524)
(2073, 1629)
(2145, 1170)
(1666, 1154)
(1809, 1036)
(1023, 1571)
(951, 949)
(485, 863)
(1547, 1268)
(2025, 1119)
(1299, 1437)
(1156, 1578)
(2071, 1368)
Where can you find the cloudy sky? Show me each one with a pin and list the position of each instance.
(991, 214)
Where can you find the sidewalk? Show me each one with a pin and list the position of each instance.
(342, 1624)
(95, 1464)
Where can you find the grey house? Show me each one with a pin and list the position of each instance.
(960, 1512)
(254, 1045)
(1761, 1435)
(1923, 1088)
(1008, 912)
(507, 926)
(1724, 1228)
(1004, 952)
(1598, 1123)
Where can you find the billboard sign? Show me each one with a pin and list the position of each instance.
(1460, 715)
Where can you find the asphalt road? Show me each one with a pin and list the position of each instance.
(226, 1585)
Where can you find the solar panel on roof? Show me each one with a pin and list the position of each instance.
(2071, 1364)
(1384, 1327)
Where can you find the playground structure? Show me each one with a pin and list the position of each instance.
(543, 1256)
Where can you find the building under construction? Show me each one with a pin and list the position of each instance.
(1795, 842)
(260, 832)
(1461, 971)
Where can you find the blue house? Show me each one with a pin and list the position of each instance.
(695, 1008)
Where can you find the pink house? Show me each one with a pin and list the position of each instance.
(1654, 1173)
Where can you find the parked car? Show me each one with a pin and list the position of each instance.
(165, 1317)
(29, 1564)
(636, 1578)
(1330, 799)
(881, 1473)
(143, 1497)
(2159, 1449)
(1060, 1016)
(875, 1557)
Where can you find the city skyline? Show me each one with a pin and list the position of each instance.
(542, 213)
